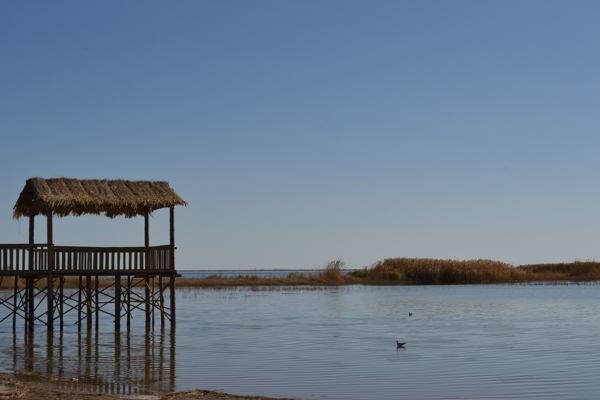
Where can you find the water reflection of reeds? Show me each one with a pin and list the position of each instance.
(117, 363)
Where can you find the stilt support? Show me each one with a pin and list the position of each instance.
(59, 301)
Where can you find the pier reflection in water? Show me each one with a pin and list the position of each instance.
(126, 362)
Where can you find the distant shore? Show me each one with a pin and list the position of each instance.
(392, 271)
(410, 271)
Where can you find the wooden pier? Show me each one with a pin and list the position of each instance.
(49, 282)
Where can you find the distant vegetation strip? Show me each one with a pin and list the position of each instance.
(426, 271)
(414, 271)
(575, 271)
(397, 271)
(331, 275)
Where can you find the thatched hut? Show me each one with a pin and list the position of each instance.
(63, 197)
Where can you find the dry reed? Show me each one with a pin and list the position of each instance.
(391, 271)
(432, 271)
(575, 271)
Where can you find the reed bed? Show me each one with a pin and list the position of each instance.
(575, 271)
(390, 271)
(427, 271)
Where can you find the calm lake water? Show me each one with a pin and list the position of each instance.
(467, 342)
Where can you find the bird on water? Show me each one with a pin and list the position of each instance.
(400, 345)
(409, 314)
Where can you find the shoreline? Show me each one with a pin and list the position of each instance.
(12, 387)
(391, 271)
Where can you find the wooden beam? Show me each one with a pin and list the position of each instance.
(147, 239)
(172, 236)
(50, 281)
(172, 261)
(61, 296)
(146, 229)
(88, 301)
(117, 302)
(49, 235)
(147, 300)
(97, 305)
(172, 305)
(153, 291)
(79, 303)
(31, 236)
(128, 297)
(31, 226)
(15, 298)
(30, 304)
(161, 300)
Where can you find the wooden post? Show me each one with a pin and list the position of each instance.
(147, 266)
(172, 236)
(16, 295)
(88, 300)
(128, 302)
(172, 294)
(153, 299)
(172, 266)
(147, 299)
(61, 285)
(97, 295)
(161, 299)
(30, 303)
(26, 304)
(79, 304)
(118, 302)
(146, 229)
(31, 236)
(50, 286)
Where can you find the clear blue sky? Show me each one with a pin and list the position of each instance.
(306, 131)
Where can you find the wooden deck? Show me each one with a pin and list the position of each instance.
(38, 271)
(137, 277)
(25, 260)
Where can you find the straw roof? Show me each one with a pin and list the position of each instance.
(94, 196)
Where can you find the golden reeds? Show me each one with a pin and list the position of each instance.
(333, 271)
(578, 270)
(432, 271)
(391, 271)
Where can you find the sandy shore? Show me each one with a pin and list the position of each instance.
(13, 388)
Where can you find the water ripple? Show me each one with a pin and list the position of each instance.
(464, 342)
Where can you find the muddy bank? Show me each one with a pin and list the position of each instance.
(16, 387)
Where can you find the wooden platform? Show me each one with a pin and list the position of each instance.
(115, 281)
(31, 259)
(139, 276)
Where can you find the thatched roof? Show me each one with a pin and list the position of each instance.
(94, 196)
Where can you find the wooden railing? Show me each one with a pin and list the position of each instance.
(26, 257)
(22, 257)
